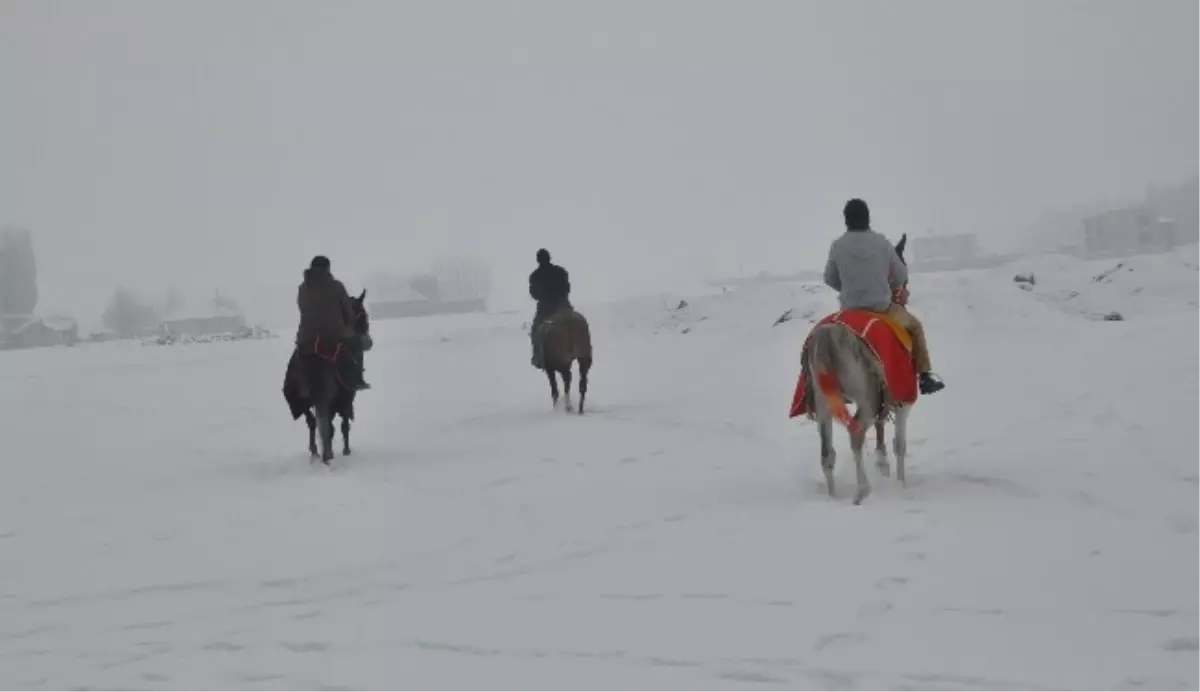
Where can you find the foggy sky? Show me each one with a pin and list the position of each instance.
(645, 143)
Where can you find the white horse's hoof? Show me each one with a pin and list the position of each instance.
(861, 495)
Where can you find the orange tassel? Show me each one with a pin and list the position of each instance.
(831, 388)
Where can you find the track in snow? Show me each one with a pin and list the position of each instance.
(161, 526)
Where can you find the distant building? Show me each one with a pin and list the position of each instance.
(204, 325)
(413, 295)
(958, 251)
(1129, 231)
(218, 316)
(1180, 204)
(30, 331)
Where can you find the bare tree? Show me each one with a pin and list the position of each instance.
(222, 303)
(18, 272)
(427, 285)
(128, 316)
(463, 278)
(173, 302)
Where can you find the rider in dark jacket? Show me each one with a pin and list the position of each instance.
(550, 286)
(327, 313)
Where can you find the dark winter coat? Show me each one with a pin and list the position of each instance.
(326, 310)
(550, 286)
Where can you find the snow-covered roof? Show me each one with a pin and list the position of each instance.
(397, 290)
(60, 322)
(19, 323)
(214, 315)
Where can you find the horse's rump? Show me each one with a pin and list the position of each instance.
(566, 336)
(295, 387)
(310, 364)
(887, 341)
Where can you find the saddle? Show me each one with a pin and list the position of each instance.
(332, 350)
(892, 346)
(336, 352)
(559, 316)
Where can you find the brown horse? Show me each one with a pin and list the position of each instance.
(566, 338)
(314, 389)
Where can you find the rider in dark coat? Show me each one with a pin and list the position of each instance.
(550, 286)
(327, 313)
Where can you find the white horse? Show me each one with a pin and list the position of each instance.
(844, 370)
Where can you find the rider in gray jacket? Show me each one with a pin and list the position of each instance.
(867, 273)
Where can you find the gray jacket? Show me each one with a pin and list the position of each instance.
(865, 270)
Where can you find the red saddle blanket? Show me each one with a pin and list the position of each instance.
(890, 343)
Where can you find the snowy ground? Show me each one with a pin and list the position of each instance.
(161, 526)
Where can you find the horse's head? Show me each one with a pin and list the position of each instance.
(362, 321)
(900, 247)
(900, 296)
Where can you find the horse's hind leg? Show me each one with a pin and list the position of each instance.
(900, 442)
(553, 387)
(312, 433)
(585, 364)
(566, 375)
(828, 456)
(881, 452)
(325, 431)
(345, 436)
(858, 440)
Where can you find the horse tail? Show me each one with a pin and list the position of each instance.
(581, 342)
(576, 337)
(823, 361)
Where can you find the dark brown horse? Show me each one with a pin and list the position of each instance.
(566, 338)
(314, 388)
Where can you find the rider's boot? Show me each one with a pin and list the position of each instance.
(929, 383)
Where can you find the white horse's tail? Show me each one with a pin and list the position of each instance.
(823, 364)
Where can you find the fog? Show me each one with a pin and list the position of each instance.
(647, 145)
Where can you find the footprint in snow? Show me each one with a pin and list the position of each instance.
(747, 676)
(890, 582)
(840, 638)
(222, 646)
(307, 647)
(1182, 645)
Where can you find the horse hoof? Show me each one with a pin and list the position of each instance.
(346, 453)
(861, 495)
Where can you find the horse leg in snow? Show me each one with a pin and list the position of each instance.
(553, 387)
(881, 452)
(828, 456)
(345, 436)
(325, 429)
(312, 433)
(566, 375)
(320, 390)
(843, 370)
(585, 364)
(858, 440)
(900, 441)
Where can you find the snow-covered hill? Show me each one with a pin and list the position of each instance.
(161, 525)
